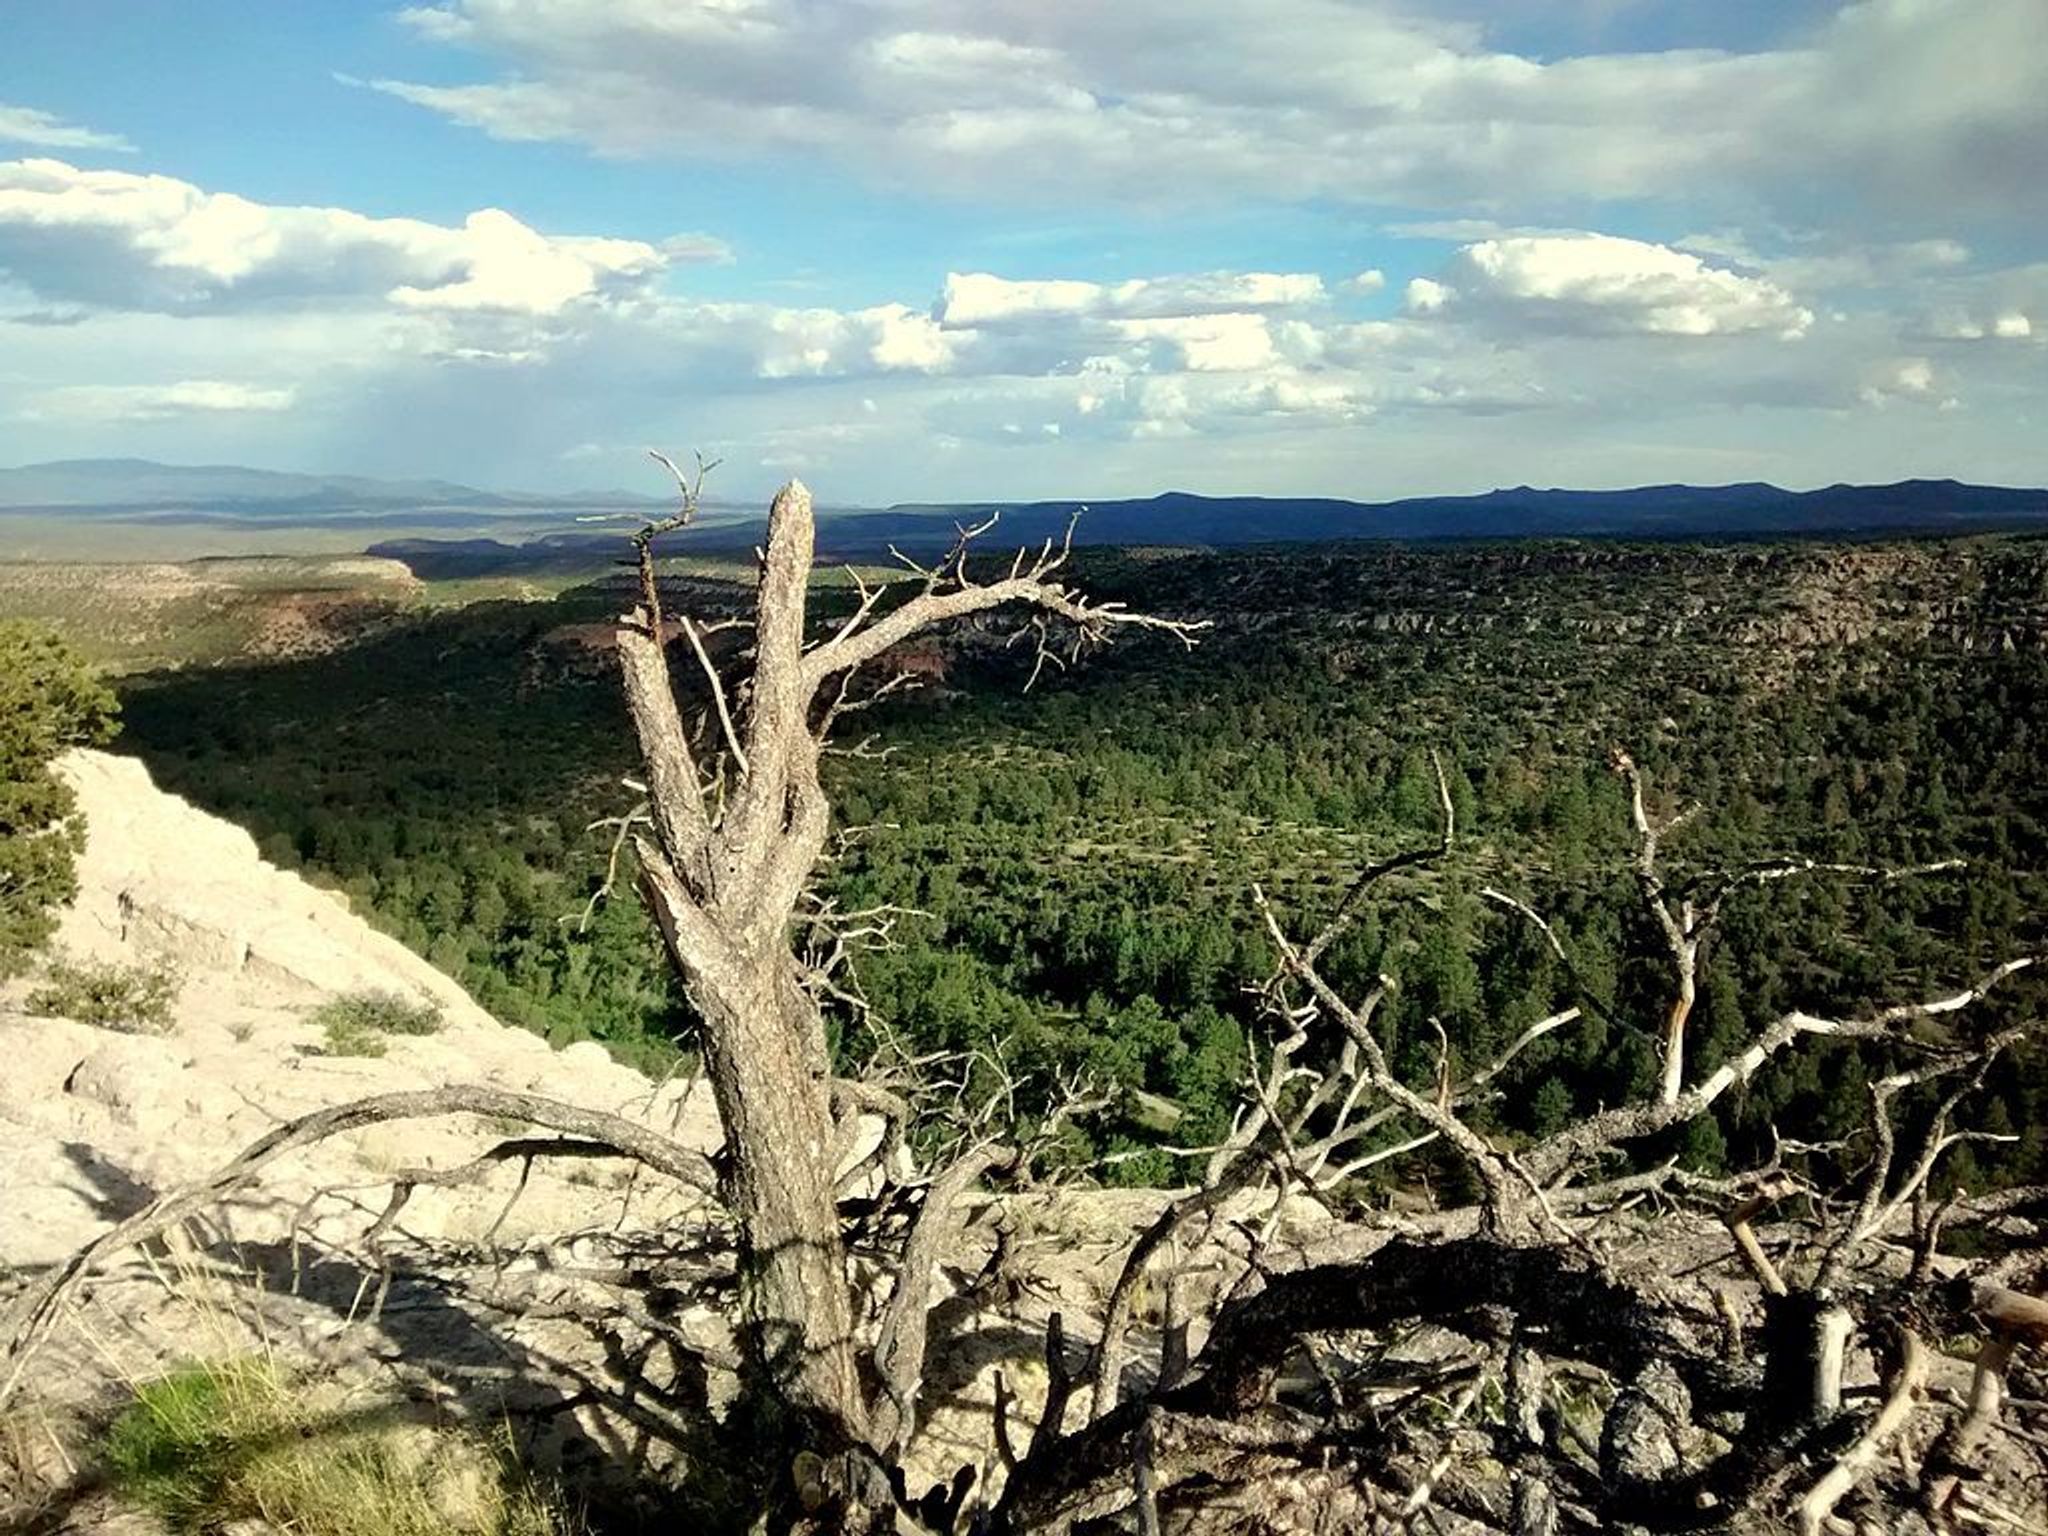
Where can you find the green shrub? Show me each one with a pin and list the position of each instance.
(49, 701)
(347, 1037)
(241, 1439)
(134, 999)
(358, 1023)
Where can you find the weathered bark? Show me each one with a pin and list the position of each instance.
(900, 1348)
(724, 897)
(1902, 1397)
(724, 875)
(770, 1085)
(1672, 1081)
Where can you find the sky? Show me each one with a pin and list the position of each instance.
(960, 249)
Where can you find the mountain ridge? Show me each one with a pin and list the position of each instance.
(128, 483)
(257, 498)
(1747, 508)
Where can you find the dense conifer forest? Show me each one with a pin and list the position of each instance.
(1078, 859)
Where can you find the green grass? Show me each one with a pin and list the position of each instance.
(242, 1440)
(169, 1450)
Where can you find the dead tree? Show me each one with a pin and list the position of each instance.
(727, 839)
(1687, 915)
(733, 834)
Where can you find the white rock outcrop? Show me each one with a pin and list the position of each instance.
(161, 879)
(93, 1122)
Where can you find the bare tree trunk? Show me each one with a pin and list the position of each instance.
(724, 897)
(764, 1054)
(725, 870)
(1673, 1080)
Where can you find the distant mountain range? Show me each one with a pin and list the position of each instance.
(255, 498)
(1180, 518)
(1651, 511)
(121, 485)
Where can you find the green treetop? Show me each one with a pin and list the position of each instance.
(49, 700)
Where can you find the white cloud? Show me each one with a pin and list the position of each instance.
(146, 242)
(1426, 296)
(156, 402)
(1957, 324)
(506, 266)
(903, 338)
(695, 248)
(25, 125)
(1814, 262)
(983, 300)
(1208, 343)
(770, 342)
(1359, 100)
(1605, 285)
(486, 349)
(1907, 380)
(2007, 305)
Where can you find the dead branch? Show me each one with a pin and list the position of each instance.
(947, 594)
(1689, 922)
(1594, 1136)
(39, 1308)
(1908, 1382)
(1738, 1221)
(900, 1345)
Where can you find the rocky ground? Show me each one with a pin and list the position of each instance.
(475, 1304)
(95, 1123)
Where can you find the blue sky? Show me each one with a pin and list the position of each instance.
(914, 249)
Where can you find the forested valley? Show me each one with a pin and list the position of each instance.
(1076, 861)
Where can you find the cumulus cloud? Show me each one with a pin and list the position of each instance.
(1426, 296)
(494, 292)
(1907, 380)
(2008, 305)
(1604, 285)
(1964, 325)
(156, 402)
(1361, 100)
(1130, 399)
(521, 348)
(1231, 343)
(148, 242)
(734, 345)
(25, 125)
(1213, 322)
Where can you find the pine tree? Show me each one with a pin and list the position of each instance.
(49, 700)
